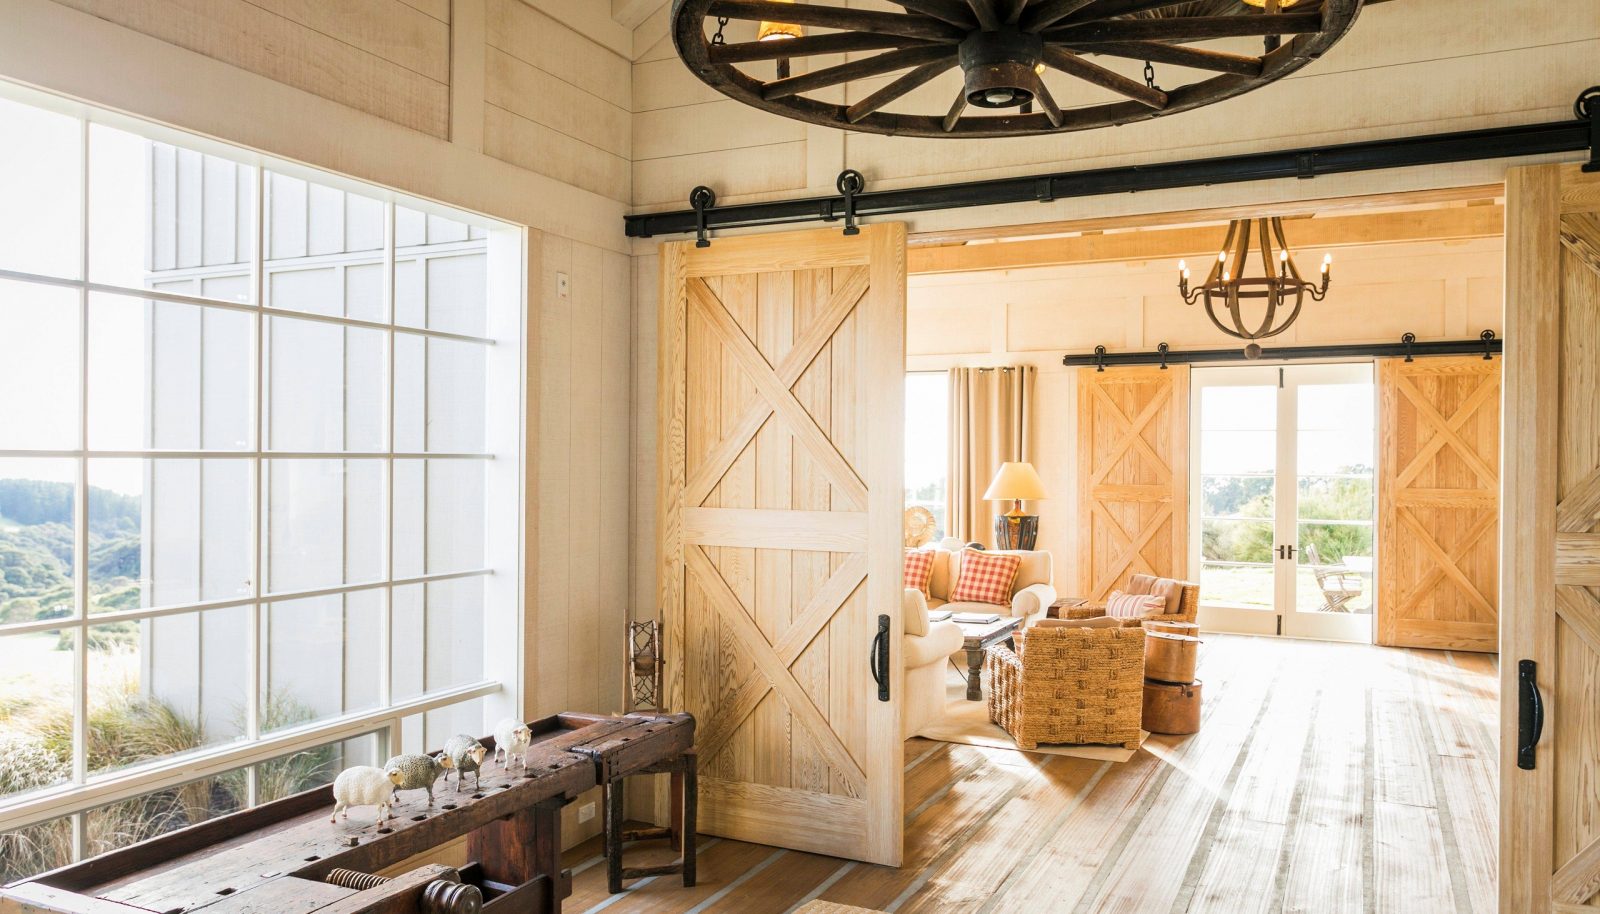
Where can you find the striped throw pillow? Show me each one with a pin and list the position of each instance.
(985, 578)
(1133, 605)
(919, 569)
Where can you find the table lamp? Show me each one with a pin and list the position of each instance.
(1016, 482)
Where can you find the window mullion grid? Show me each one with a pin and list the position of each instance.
(80, 507)
(386, 621)
(258, 568)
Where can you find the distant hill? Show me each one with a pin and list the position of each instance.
(36, 549)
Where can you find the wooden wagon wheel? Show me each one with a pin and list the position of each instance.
(1003, 46)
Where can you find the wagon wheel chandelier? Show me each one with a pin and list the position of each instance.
(1003, 49)
(1276, 296)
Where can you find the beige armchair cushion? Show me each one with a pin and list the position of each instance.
(941, 640)
(1166, 588)
(1035, 568)
(915, 610)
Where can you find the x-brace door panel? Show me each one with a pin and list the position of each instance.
(782, 366)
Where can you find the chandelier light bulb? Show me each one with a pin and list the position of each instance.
(1183, 266)
(1283, 255)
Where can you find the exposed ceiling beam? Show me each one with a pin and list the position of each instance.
(1322, 206)
(1306, 236)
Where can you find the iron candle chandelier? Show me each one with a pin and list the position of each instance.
(1279, 292)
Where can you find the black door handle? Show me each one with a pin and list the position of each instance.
(878, 660)
(1530, 713)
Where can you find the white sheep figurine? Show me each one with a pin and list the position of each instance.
(511, 737)
(364, 785)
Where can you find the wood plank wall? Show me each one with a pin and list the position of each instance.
(555, 101)
(390, 58)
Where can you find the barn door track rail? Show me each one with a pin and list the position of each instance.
(854, 202)
(1487, 345)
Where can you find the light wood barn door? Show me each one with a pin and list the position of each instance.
(782, 386)
(1550, 596)
(1133, 475)
(1439, 503)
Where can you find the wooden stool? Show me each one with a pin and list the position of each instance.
(685, 787)
(1172, 707)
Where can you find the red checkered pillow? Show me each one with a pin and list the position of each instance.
(1134, 605)
(919, 569)
(985, 578)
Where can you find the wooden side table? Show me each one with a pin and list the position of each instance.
(980, 636)
(1054, 612)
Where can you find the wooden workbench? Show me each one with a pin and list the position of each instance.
(277, 857)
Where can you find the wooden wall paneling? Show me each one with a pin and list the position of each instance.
(390, 29)
(556, 102)
(1438, 503)
(780, 433)
(553, 448)
(1550, 816)
(249, 36)
(1133, 472)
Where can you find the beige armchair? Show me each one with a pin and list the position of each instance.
(926, 648)
(1031, 593)
(1182, 601)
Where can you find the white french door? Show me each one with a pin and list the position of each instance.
(1282, 499)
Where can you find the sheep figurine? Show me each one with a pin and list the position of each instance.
(466, 754)
(511, 737)
(418, 772)
(364, 785)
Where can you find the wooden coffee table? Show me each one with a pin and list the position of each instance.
(980, 637)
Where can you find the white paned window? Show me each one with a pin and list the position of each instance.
(260, 451)
(928, 445)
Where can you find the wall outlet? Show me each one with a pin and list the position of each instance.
(586, 811)
(563, 285)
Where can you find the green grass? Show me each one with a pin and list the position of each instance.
(1252, 587)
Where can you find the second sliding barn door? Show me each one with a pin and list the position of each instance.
(1439, 503)
(782, 401)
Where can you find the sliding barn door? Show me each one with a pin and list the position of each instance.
(1439, 503)
(1133, 475)
(1550, 605)
(782, 399)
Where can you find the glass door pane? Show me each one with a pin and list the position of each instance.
(1334, 476)
(1237, 499)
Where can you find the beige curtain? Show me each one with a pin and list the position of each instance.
(991, 421)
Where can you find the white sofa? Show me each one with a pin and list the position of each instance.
(1031, 591)
(928, 645)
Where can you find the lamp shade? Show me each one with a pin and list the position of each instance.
(1015, 481)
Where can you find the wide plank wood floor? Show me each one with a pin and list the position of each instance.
(1326, 778)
